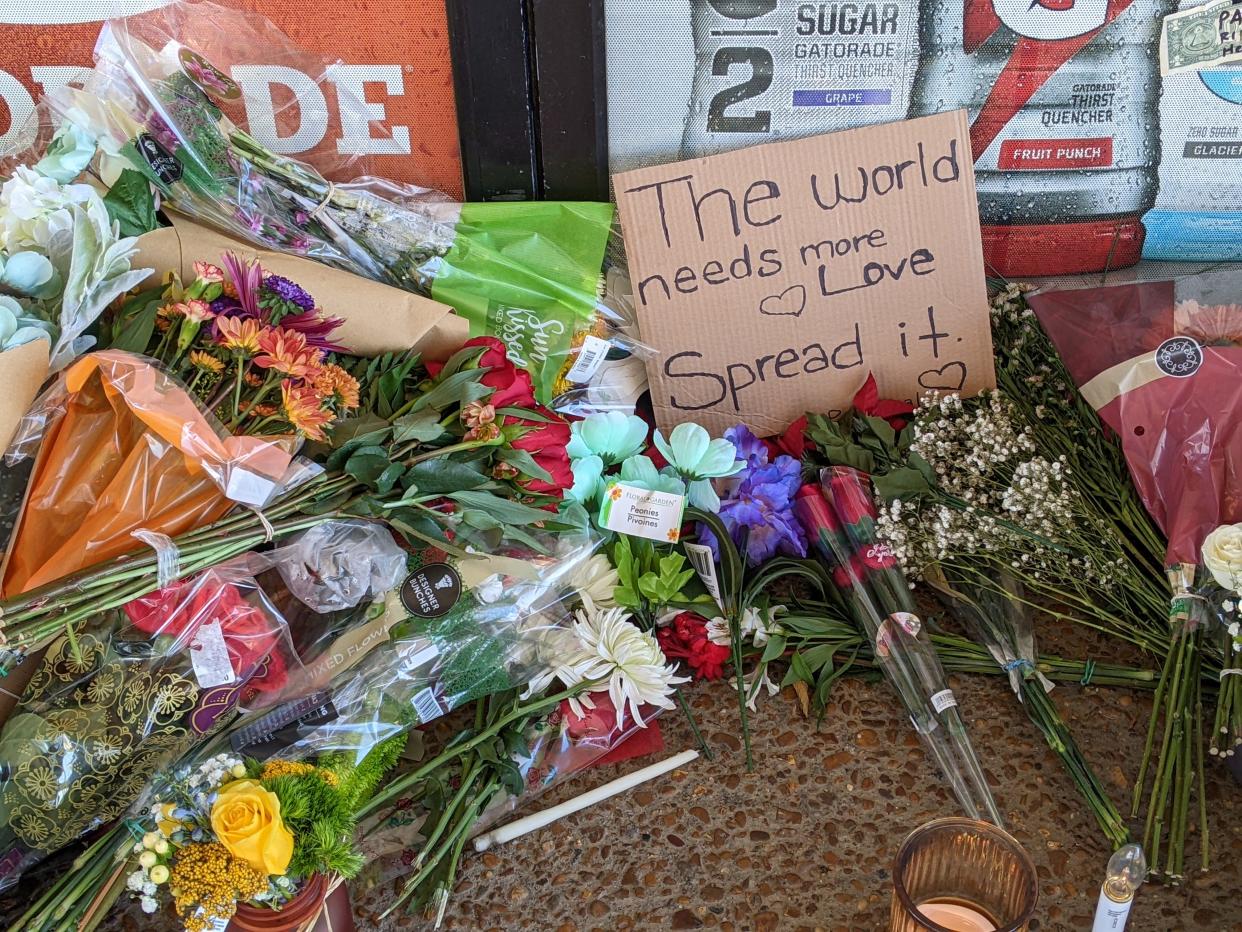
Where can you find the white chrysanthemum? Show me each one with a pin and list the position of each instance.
(612, 651)
(149, 904)
(596, 579)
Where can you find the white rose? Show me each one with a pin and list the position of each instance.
(1222, 554)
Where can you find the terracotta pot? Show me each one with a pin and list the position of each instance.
(304, 907)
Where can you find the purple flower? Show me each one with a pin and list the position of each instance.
(279, 287)
(759, 509)
(749, 447)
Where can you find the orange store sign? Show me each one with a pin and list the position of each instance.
(394, 54)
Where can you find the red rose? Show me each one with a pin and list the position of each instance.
(545, 442)
(850, 491)
(686, 639)
(868, 401)
(179, 610)
(814, 512)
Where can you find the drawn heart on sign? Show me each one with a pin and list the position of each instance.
(948, 378)
(789, 303)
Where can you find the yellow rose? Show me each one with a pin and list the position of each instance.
(1222, 554)
(246, 819)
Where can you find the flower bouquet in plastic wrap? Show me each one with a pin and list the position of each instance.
(1161, 362)
(125, 696)
(62, 261)
(164, 99)
(839, 517)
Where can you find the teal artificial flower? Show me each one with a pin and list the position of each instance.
(28, 273)
(17, 327)
(610, 435)
(588, 471)
(697, 458)
(641, 472)
(68, 155)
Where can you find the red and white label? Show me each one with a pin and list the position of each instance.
(1043, 154)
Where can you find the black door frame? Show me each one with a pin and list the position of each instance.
(531, 90)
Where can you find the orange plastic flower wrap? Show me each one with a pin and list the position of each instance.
(116, 447)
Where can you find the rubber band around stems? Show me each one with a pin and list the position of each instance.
(1088, 671)
(324, 203)
(167, 556)
(1230, 671)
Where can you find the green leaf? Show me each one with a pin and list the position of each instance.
(524, 463)
(388, 479)
(503, 509)
(367, 464)
(773, 649)
(442, 475)
(131, 204)
(421, 426)
(480, 519)
(136, 322)
(799, 667)
(526, 414)
(818, 656)
(882, 430)
(902, 482)
(459, 388)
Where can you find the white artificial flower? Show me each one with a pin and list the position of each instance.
(756, 681)
(149, 904)
(596, 579)
(135, 881)
(149, 888)
(613, 651)
(1222, 555)
(758, 626)
(35, 209)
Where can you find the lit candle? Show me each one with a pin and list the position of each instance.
(956, 917)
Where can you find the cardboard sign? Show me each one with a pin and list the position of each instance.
(771, 280)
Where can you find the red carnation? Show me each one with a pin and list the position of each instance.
(686, 639)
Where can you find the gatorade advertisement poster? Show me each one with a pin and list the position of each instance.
(1085, 158)
(394, 54)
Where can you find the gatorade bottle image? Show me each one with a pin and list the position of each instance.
(1198, 212)
(1063, 98)
(767, 70)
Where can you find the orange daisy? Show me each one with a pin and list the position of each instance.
(338, 386)
(286, 351)
(238, 335)
(303, 408)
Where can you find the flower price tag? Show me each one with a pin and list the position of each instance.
(628, 509)
(209, 656)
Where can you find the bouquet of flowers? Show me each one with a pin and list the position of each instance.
(227, 835)
(839, 518)
(1160, 363)
(160, 99)
(125, 696)
(62, 261)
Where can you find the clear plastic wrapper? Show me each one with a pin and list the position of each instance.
(561, 745)
(839, 518)
(161, 98)
(118, 446)
(133, 691)
(335, 565)
(453, 631)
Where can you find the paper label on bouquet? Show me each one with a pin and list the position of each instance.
(655, 515)
(591, 356)
(700, 557)
(249, 488)
(210, 657)
(943, 700)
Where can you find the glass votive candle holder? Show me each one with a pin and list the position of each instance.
(959, 875)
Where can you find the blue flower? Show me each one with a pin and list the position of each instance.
(610, 435)
(641, 472)
(694, 456)
(749, 447)
(758, 511)
(587, 473)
